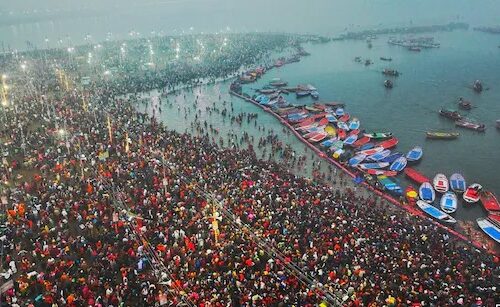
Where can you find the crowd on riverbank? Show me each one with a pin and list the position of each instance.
(106, 207)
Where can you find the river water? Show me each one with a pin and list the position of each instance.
(430, 79)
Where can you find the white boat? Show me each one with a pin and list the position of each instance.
(449, 202)
(489, 228)
(435, 212)
(457, 183)
(440, 183)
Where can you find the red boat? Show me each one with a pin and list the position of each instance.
(318, 137)
(306, 122)
(319, 106)
(415, 175)
(495, 218)
(489, 201)
(341, 134)
(411, 194)
(388, 143)
(360, 142)
(311, 134)
(353, 132)
(345, 118)
(323, 122)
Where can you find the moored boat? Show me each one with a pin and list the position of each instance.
(390, 185)
(344, 118)
(435, 212)
(379, 155)
(440, 183)
(339, 112)
(319, 137)
(477, 86)
(354, 124)
(426, 192)
(415, 175)
(371, 151)
(457, 183)
(350, 139)
(328, 142)
(414, 154)
(411, 194)
(366, 146)
(356, 159)
(362, 141)
(388, 84)
(442, 135)
(388, 143)
(392, 157)
(331, 130)
(498, 123)
(378, 172)
(472, 193)
(390, 72)
(398, 165)
(490, 228)
(470, 125)
(378, 135)
(375, 165)
(449, 202)
(331, 118)
(451, 114)
(300, 94)
(341, 134)
(489, 201)
(385, 59)
(464, 104)
(342, 125)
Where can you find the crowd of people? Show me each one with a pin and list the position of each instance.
(104, 206)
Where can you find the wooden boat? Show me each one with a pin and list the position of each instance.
(339, 112)
(331, 130)
(318, 137)
(379, 155)
(341, 134)
(350, 139)
(472, 193)
(489, 201)
(442, 135)
(470, 125)
(449, 202)
(435, 212)
(378, 135)
(451, 114)
(372, 151)
(392, 157)
(380, 172)
(328, 142)
(426, 192)
(374, 165)
(489, 228)
(411, 194)
(415, 154)
(354, 124)
(360, 142)
(388, 143)
(356, 160)
(390, 185)
(440, 183)
(457, 183)
(415, 175)
(398, 165)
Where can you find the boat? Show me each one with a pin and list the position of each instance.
(494, 217)
(312, 109)
(498, 123)
(390, 72)
(328, 142)
(388, 84)
(489, 201)
(415, 154)
(385, 59)
(426, 192)
(267, 91)
(440, 183)
(477, 86)
(335, 104)
(278, 83)
(464, 104)
(362, 141)
(411, 194)
(442, 135)
(342, 125)
(374, 165)
(366, 146)
(300, 94)
(490, 228)
(379, 155)
(354, 132)
(320, 106)
(449, 202)
(435, 212)
(323, 122)
(372, 151)
(338, 153)
(350, 139)
(315, 94)
(415, 175)
(472, 193)
(357, 59)
(378, 135)
(388, 143)
(390, 185)
(380, 172)
(368, 62)
(470, 125)
(339, 112)
(451, 114)
(319, 137)
(331, 118)
(356, 160)
(416, 49)
(336, 146)
(457, 183)
(354, 124)
(344, 118)
(341, 134)
(330, 130)
(392, 157)
(398, 165)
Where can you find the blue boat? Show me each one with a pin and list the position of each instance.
(390, 185)
(331, 118)
(379, 155)
(398, 165)
(339, 112)
(415, 154)
(375, 165)
(350, 139)
(356, 159)
(449, 202)
(367, 146)
(426, 192)
(328, 142)
(490, 228)
(435, 212)
(457, 183)
(392, 157)
(354, 124)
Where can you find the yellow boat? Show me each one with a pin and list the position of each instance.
(330, 130)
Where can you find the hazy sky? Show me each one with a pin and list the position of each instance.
(307, 16)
